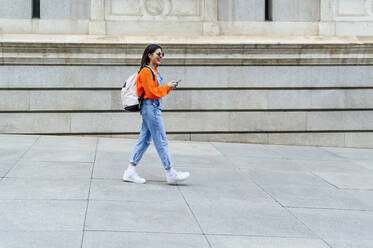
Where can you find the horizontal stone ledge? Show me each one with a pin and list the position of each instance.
(245, 50)
(65, 76)
(193, 100)
(187, 122)
(344, 138)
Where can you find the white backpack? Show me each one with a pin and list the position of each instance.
(130, 99)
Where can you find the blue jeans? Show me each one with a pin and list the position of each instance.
(152, 127)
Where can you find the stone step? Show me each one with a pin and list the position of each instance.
(181, 99)
(189, 122)
(47, 76)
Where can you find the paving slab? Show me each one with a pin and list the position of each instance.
(168, 217)
(31, 239)
(232, 151)
(238, 195)
(42, 215)
(333, 166)
(348, 181)
(235, 217)
(350, 243)
(62, 148)
(315, 197)
(364, 196)
(268, 164)
(278, 178)
(303, 152)
(11, 155)
(206, 185)
(51, 170)
(29, 188)
(17, 141)
(5, 167)
(365, 163)
(351, 153)
(117, 190)
(98, 239)
(264, 242)
(56, 155)
(12, 147)
(332, 224)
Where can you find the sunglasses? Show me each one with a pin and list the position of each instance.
(160, 53)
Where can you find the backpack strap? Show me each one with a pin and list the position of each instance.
(149, 69)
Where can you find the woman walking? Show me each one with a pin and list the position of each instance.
(150, 81)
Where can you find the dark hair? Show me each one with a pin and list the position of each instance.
(150, 49)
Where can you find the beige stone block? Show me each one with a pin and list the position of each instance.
(358, 120)
(152, 28)
(332, 99)
(61, 26)
(211, 10)
(34, 123)
(14, 26)
(105, 122)
(14, 100)
(327, 10)
(327, 120)
(327, 28)
(231, 137)
(289, 99)
(269, 28)
(359, 98)
(267, 121)
(97, 27)
(211, 28)
(70, 100)
(97, 9)
(340, 120)
(354, 28)
(359, 139)
(307, 139)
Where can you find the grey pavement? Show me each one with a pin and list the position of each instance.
(66, 191)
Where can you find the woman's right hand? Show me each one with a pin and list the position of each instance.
(172, 85)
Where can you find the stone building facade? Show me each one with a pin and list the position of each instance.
(263, 71)
(188, 17)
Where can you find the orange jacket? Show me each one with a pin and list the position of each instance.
(152, 89)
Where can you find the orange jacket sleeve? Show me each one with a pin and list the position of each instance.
(152, 90)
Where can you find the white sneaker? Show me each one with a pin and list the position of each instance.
(177, 177)
(132, 177)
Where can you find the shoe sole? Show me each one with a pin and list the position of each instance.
(178, 181)
(131, 181)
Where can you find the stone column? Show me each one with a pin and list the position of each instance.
(97, 24)
(211, 25)
(327, 25)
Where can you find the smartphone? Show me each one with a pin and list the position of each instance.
(178, 81)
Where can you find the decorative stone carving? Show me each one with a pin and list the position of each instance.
(191, 10)
(356, 10)
(155, 7)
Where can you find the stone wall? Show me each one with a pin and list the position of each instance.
(305, 91)
(192, 17)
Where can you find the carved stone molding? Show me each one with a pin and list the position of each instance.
(356, 10)
(147, 10)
